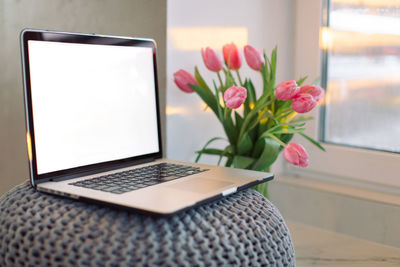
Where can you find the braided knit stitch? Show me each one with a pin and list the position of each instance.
(244, 229)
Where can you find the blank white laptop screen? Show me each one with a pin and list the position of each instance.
(91, 103)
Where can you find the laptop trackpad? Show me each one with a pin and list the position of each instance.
(202, 185)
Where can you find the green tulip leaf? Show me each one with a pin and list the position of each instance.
(211, 151)
(295, 124)
(283, 128)
(284, 114)
(265, 73)
(268, 156)
(206, 145)
(285, 138)
(229, 80)
(258, 148)
(245, 145)
(242, 162)
(252, 125)
(204, 92)
(207, 96)
(238, 120)
(227, 153)
(212, 101)
(287, 130)
(229, 162)
(301, 80)
(261, 103)
(199, 79)
(302, 118)
(281, 105)
(265, 113)
(262, 115)
(273, 67)
(312, 141)
(251, 97)
(229, 127)
(220, 115)
(251, 92)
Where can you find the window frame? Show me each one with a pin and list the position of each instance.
(365, 168)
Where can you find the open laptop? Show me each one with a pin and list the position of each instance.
(93, 126)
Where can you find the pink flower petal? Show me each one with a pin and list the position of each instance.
(183, 79)
(235, 96)
(286, 90)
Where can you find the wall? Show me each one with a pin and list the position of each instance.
(140, 18)
(196, 24)
(346, 209)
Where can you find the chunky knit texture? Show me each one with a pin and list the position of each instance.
(244, 229)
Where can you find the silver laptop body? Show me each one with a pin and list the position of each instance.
(92, 112)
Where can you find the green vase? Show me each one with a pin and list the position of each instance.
(263, 189)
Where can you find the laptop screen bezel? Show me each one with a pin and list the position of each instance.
(79, 38)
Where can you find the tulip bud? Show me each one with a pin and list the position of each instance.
(232, 56)
(183, 79)
(235, 96)
(286, 90)
(254, 58)
(211, 59)
(316, 91)
(296, 154)
(303, 103)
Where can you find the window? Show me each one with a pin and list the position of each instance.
(362, 74)
(352, 115)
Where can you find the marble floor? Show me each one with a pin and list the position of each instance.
(317, 247)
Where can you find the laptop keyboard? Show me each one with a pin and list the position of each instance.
(127, 181)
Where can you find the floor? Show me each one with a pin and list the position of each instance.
(317, 247)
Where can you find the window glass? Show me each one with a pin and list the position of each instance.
(361, 71)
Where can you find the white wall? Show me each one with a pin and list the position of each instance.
(268, 23)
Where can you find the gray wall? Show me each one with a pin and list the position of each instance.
(140, 18)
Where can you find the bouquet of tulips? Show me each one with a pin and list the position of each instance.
(257, 128)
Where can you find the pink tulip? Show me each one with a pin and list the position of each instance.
(316, 91)
(286, 90)
(254, 58)
(296, 154)
(183, 79)
(232, 56)
(235, 96)
(211, 59)
(303, 103)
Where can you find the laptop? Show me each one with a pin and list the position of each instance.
(93, 127)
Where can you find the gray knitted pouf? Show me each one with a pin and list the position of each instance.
(244, 229)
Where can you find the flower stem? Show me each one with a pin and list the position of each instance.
(277, 140)
(225, 112)
(217, 102)
(264, 79)
(273, 108)
(220, 80)
(240, 80)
